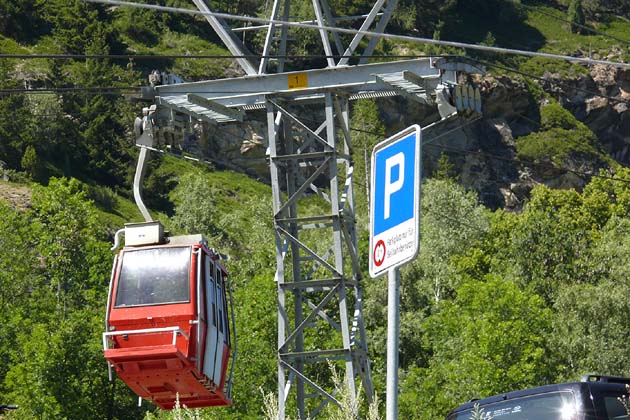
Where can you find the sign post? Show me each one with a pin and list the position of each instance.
(394, 231)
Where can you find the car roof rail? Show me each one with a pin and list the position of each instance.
(606, 379)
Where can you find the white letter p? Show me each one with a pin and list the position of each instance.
(391, 187)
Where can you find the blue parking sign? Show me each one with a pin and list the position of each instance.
(395, 201)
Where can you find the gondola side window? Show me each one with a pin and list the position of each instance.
(154, 276)
(212, 291)
(226, 337)
(221, 305)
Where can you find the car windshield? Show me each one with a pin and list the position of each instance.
(548, 406)
(154, 276)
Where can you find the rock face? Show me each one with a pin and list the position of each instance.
(240, 146)
(483, 151)
(599, 7)
(606, 115)
(18, 197)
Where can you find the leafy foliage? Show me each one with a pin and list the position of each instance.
(576, 15)
(196, 211)
(494, 302)
(17, 19)
(365, 117)
(489, 339)
(562, 142)
(525, 299)
(53, 292)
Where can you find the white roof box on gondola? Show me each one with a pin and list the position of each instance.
(146, 233)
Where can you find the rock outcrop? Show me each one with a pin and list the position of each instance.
(482, 151)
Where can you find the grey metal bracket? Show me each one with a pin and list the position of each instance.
(460, 64)
(311, 84)
(409, 84)
(218, 112)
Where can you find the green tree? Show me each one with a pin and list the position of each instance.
(20, 19)
(14, 123)
(59, 372)
(491, 338)
(240, 226)
(452, 222)
(540, 249)
(445, 169)
(591, 319)
(53, 292)
(30, 162)
(551, 243)
(76, 24)
(196, 209)
(576, 16)
(72, 254)
(370, 130)
(19, 275)
(104, 119)
(95, 138)
(591, 329)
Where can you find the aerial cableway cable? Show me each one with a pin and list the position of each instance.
(430, 143)
(116, 90)
(196, 56)
(406, 38)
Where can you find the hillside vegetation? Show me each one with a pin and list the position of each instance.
(495, 301)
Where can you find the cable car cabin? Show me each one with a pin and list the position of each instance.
(167, 324)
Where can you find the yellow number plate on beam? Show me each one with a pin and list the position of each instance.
(298, 81)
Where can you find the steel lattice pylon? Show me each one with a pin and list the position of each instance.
(322, 276)
(299, 156)
(318, 277)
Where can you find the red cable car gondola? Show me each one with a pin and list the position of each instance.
(168, 333)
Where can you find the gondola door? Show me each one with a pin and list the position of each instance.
(210, 354)
(220, 321)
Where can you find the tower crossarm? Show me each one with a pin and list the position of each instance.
(306, 85)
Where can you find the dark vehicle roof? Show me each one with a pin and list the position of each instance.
(587, 385)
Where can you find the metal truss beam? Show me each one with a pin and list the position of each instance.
(305, 85)
(231, 41)
(359, 36)
(380, 27)
(331, 21)
(271, 30)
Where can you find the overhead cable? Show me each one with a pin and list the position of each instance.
(198, 56)
(429, 143)
(106, 90)
(405, 38)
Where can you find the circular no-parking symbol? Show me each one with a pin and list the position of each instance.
(379, 253)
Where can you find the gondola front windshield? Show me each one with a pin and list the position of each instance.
(154, 276)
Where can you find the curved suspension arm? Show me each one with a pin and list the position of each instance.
(137, 183)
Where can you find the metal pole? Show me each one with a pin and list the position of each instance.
(393, 328)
